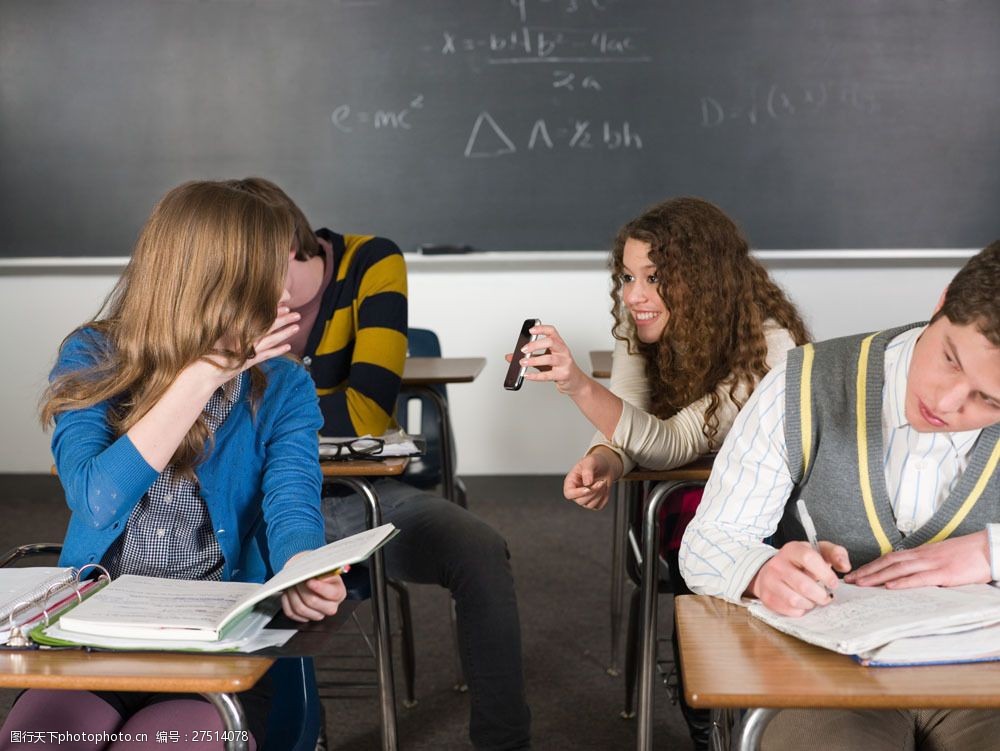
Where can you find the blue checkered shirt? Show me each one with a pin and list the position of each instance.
(169, 532)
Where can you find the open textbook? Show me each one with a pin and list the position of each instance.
(148, 612)
(919, 626)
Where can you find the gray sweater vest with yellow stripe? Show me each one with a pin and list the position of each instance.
(833, 430)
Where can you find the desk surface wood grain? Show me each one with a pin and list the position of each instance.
(365, 468)
(733, 660)
(129, 671)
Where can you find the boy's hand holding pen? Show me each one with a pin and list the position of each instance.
(795, 580)
(810, 529)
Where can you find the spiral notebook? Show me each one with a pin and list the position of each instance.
(29, 595)
(917, 626)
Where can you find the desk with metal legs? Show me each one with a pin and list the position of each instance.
(354, 476)
(692, 475)
(626, 496)
(733, 661)
(420, 376)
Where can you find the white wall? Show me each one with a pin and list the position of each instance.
(476, 305)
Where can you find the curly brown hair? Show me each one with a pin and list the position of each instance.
(718, 298)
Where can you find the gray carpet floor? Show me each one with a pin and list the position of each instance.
(561, 559)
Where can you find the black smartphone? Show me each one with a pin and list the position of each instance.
(516, 371)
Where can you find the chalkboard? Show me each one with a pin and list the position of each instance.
(506, 124)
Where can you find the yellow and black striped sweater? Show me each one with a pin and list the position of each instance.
(357, 346)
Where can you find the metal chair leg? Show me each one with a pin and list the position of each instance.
(233, 720)
(631, 656)
(36, 548)
(723, 722)
(752, 728)
(650, 587)
(407, 649)
(380, 616)
(624, 492)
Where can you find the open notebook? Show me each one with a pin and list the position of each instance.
(884, 627)
(143, 612)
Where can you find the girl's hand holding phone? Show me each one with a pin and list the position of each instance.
(554, 361)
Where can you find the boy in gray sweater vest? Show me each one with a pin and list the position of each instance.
(893, 440)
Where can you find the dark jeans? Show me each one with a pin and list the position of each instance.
(442, 543)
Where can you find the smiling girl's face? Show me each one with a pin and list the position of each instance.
(641, 292)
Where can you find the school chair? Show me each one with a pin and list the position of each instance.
(425, 472)
(358, 583)
(294, 721)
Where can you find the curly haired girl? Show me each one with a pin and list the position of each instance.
(698, 322)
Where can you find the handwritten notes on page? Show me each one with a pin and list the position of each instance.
(860, 620)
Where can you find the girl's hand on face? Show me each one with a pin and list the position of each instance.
(272, 344)
(589, 483)
(550, 355)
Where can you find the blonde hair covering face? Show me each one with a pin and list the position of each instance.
(205, 277)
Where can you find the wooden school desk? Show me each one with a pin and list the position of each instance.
(420, 376)
(216, 677)
(732, 661)
(354, 475)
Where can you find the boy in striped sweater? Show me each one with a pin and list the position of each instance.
(350, 293)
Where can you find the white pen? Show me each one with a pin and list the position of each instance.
(810, 528)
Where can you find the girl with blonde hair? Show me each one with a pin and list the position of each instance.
(185, 442)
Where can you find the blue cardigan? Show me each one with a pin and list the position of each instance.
(261, 482)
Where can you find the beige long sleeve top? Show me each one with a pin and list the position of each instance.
(646, 440)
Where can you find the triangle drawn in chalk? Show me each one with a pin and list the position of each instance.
(489, 141)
